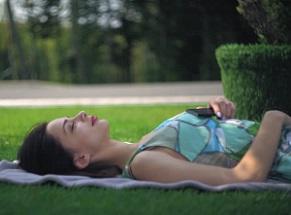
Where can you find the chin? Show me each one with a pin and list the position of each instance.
(104, 122)
(103, 125)
(103, 128)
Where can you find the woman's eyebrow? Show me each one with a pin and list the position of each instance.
(64, 124)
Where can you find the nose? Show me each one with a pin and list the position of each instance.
(81, 116)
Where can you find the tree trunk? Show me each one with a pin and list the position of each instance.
(19, 59)
(77, 61)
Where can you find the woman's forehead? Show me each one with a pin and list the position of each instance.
(55, 126)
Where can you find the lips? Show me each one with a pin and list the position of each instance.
(93, 120)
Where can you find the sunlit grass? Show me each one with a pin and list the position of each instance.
(128, 123)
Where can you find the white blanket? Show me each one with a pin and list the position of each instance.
(11, 173)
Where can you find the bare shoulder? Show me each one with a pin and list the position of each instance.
(145, 137)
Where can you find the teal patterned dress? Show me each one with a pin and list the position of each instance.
(214, 142)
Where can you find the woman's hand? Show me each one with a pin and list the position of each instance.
(222, 107)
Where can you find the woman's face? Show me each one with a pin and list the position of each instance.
(81, 133)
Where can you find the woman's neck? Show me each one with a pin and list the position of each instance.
(115, 153)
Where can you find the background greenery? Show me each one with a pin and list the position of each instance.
(91, 41)
(135, 121)
(270, 19)
(256, 77)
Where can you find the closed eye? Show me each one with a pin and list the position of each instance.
(72, 126)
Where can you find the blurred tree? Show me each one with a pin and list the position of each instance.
(160, 30)
(271, 19)
(44, 26)
(128, 31)
(103, 34)
(43, 17)
(128, 40)
(76, 56)
(17, 60)
(184, 34)
(5, 71)
(221, 24)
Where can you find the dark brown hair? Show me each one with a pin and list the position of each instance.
(41, 153)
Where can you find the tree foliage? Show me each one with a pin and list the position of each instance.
(270, 19)
(89, 41)
(43, 17)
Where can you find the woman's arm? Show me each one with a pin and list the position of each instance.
(254, 166)
(256, 163)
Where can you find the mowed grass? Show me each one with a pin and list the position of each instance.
(127, 123)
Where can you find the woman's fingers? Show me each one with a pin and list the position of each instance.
(222, 107)
(229, 109)
(232, 108)
(216, 106)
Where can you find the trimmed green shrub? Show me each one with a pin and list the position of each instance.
(256, 77)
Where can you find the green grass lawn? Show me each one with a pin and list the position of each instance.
(128, 123)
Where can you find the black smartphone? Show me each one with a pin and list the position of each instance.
(205, 112)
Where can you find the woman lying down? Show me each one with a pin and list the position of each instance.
(187, 146)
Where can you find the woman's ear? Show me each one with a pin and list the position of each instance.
(81, 161)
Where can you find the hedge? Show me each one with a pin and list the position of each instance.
(256, 77)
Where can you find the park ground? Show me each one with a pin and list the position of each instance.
(36, 93)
